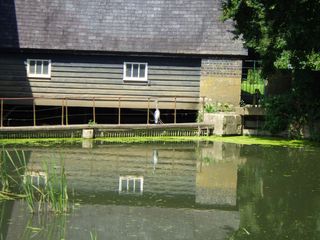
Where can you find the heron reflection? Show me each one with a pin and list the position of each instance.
(155, 158)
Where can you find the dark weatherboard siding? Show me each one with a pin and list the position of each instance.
(94, 76)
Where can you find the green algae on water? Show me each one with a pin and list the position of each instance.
(243, 140)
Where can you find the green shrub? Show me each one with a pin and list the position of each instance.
(278, 113)
(218, 107)
(210, 107)
(296, 109)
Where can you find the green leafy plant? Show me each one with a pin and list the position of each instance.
(207, 160)
(211, 107)
(218, 107)
(278, 113)
(91, 122)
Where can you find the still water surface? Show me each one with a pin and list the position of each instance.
(176, 191)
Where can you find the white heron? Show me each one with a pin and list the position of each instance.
(156, 114)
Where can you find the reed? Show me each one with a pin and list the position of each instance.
(4, 196)
(5, 170)
(10, 172)
(4, 179)
(30, 194)
(53, 196)
(14, 183)
(93, 235)
(56, 189)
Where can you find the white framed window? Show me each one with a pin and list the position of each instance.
(134, 71)
(39, 68)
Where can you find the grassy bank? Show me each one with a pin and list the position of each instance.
(245, 140)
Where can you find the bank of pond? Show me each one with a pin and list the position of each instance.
(159, 190)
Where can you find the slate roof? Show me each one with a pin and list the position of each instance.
(150, 26)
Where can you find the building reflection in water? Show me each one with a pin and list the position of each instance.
(161, 200)
(217, 168)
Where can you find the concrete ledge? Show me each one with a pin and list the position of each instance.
(251, 111)
(87, 133)
(224, 123)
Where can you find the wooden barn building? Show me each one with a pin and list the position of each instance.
(113, 53)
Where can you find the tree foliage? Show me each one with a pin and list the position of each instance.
(285, 33)
(297, 108)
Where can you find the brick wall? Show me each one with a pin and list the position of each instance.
(221, 79)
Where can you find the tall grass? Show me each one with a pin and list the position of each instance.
(11, 170)
(4, 180)
(15, 183)
(56, 188)
(93, 235)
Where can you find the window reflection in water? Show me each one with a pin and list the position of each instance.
(131, 184)
(36, 178)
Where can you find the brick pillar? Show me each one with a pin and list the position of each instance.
(220, 79)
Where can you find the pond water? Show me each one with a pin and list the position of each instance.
(175, 191)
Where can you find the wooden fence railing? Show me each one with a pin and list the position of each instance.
(92, 103)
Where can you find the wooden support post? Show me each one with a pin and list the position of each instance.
(34, 114)
(148, 112)
(203, 99)
(62, 113)
(1, 112)
(119, 112)
(94, 110)
(175, 110)
(67, 117)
